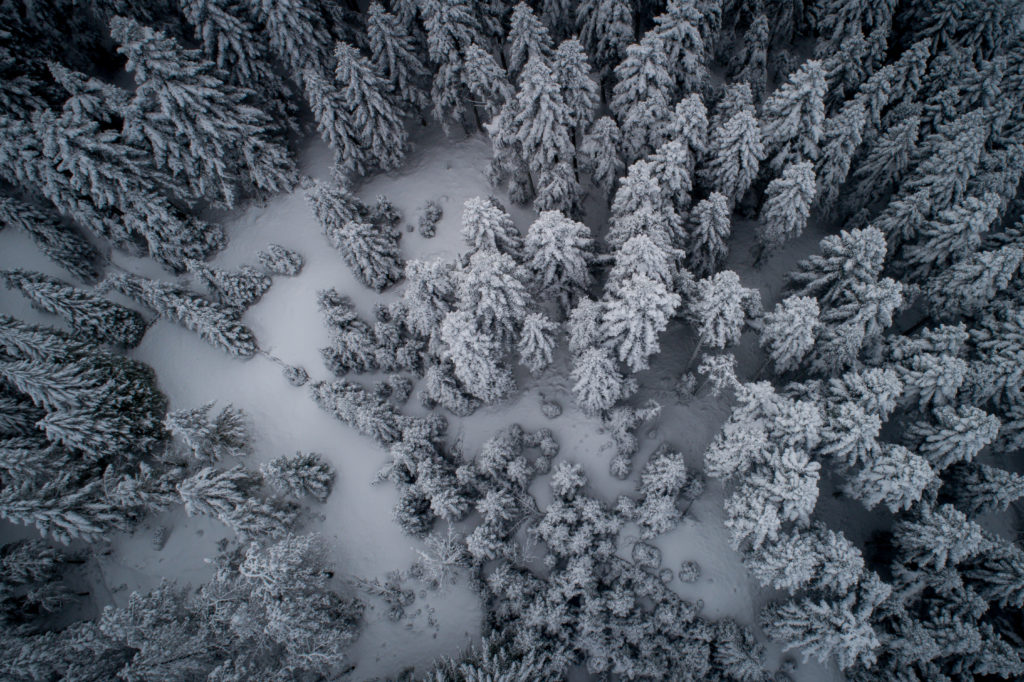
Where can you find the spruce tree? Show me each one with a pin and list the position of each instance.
(707, 247)
(559, 252)
(485, 80)
(428, 295)
(720, 307)
(735, 149)
(793, 117)
(527, 38)
(211, 439)
(214, 323)
(492, 290)
(296, 32)
(475, 354)
(371, 253)
(197, 125)
(606, 28)
(840, 140)
(885, 161)
(787, 206)
(788, 331)
(487, 227)
(679, 29)
(239, 289)
(893, 476)
(982, 489)
(956, 233)
(395, 57)
(597, 384)
(95, 317)
(600, 154)
(634, 315)
(332, 120)
(299, 475)
(451, 26)
(846, 259)
(59, 243)
(579, 91)
(536, 342)
(641, 99)
(378, 125)
(956, 435)
(542, 119)
(750, 64)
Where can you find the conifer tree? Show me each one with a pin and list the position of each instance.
(787, 206)
(840, 140)
(378, 125)
(956, 435)
(485, 80)
(536, 342)
(487, 227)
(597, 384)
(299, 475)
(846, 259)
(606, 28)
(679, 29)
(793, 117)
(894, 476)
(296, 32)
(720, 307)
(239, 289)
(60, 244)
(86, 312)
(428, 295)
(641, 207)
(634, 315)
(370, 252)
(955, 234)
(579, 91)
(475, 354)
(210, 439)
(197, 125)
(707, 247)
(278, 260)
(982, 489)
(641, 99)
(451, 26)
(559, 252)
(215, 324)
(788, 331)
(332, 120)
(492, 291)
(527, 38)
(600, 154)
(999, 575)
(541, 119)
(116, 176)
(937, 537)
(395, 57)
(735, 149)
(885, 162)
(750, 64)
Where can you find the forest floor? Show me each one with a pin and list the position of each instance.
(356, 520)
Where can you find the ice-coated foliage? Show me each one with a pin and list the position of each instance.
(793, 117)
(709, 233)
(558, 252)
(527, 38)
(599, 152)
(893, 476)
(211, 439)
(486, 226)
(787, 205)
(597, 384)
(634, 317)
(476, 356)
(281, 261)
(720, 307)
(537, 342)
(788, 332)
(394, 55)
(735, 146)
(87, 313)
(641, 99)
(299, 475)
(579, 91)
(60, 244)
(239, 289)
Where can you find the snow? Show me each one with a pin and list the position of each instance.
(356, 519)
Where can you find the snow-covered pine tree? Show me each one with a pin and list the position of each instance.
(296, 32)
(982, 489)
(788, 331)
(848, 258)
(92, 315)
(195, 124)
(350, 403)
(491, 289)
(59, 243)
(370, 252)
(735, 147)
(998, 575)
(559, 252)
(893, 476)
(955, 234)
(793, 117)
(839, 142)
(634, 316)
(597, 384)
(885, 162)
(299, 475)
(787, 206)
(542, 120)
(428, 295)
(527, 38)
(395, 57)
(114, 175)
(938, 537)
(332, 120)
(720, 308)
(642, 207)
(214, 323)
(956, 435)
(606, 28)
(537, 342)
(584, 326)
(211, 438)
(750, 64)
(679, 29)
(711, 225)
(451, 27)
(278, 260)
(642, 96)
(239, 289)
(997, 341)
(487, 227)
(376, 121)
(485, 80)
(579, 91)
(476, 356)
(599, 152)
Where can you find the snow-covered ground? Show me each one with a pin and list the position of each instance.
(356, 520)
